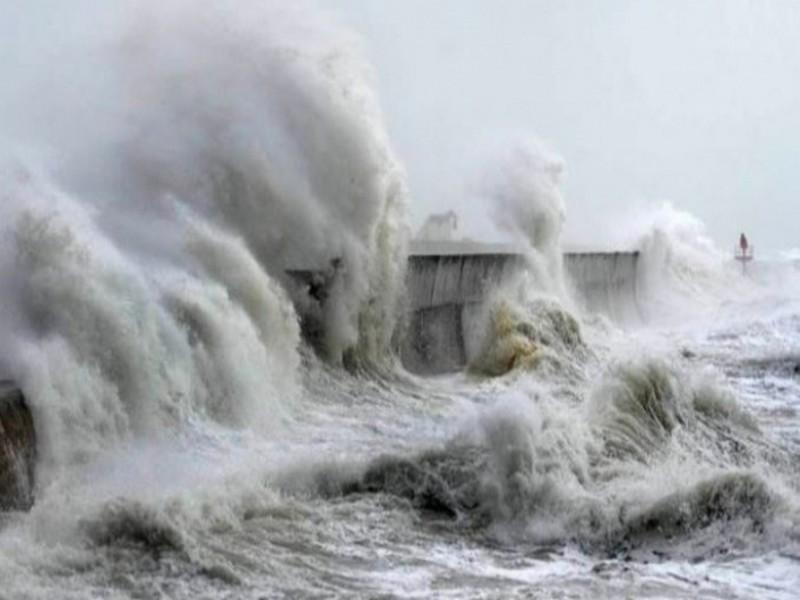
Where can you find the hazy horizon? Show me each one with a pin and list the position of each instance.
(691, 103)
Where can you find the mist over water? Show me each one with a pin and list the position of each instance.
(155, 191)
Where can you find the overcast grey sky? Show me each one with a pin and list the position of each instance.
(696, 102)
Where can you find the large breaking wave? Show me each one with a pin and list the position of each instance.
(148, 221)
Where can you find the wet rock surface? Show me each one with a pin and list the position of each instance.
(17, 449)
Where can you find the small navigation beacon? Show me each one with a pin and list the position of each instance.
(743, 252)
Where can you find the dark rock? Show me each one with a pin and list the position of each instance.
(17, 449)
(310, 289)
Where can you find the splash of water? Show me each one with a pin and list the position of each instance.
(149, 223)
(524, 188)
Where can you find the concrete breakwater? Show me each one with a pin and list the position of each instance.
(17, 449)
(448, 282)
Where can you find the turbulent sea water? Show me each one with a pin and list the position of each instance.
(192, 445)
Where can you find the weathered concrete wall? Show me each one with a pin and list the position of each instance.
(447, 283)
(437, 280)
(17, 449)
(442, 288)
(605, 283)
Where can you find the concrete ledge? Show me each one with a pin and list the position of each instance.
(17, 449)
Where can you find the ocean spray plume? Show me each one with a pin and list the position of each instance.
(255, 117)
(679, 266)
(523, 186)
(216, 147)
(525, 319)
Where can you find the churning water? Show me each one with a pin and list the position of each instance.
(192, 446)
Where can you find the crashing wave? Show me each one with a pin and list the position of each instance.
(532, 473)
(146, 255)
(526, 337)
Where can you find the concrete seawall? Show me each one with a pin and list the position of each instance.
(605, 283)
(443, 292)
(448, 282)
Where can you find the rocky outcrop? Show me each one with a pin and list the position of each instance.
(17, 449)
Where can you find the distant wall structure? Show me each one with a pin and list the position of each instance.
(448, 282)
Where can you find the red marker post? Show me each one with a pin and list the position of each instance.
(744, 253)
